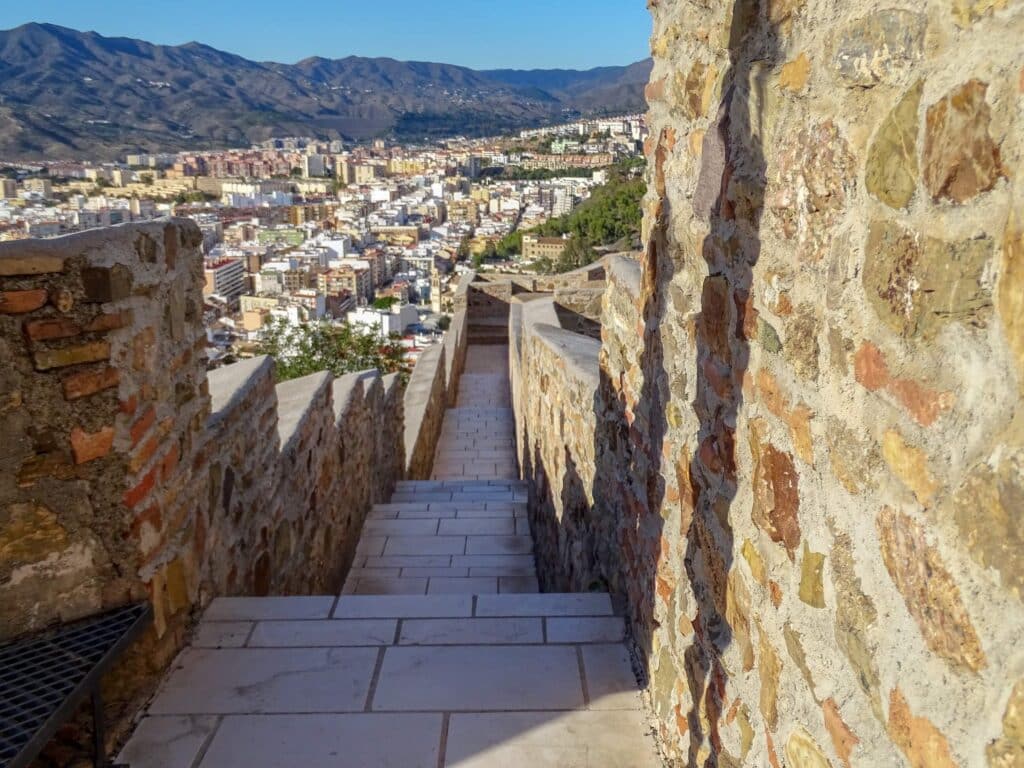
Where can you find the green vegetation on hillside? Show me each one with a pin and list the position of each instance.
(612, 214)
(517, 173)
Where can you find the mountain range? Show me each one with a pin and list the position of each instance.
(66, 94)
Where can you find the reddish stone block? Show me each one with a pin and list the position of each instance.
(141, 427)
(86, 446)
(925, 405)
(129, 406)
(20, 302)
(870, 369)
(111, 322)
(183, 359)
(655, 90)
(90, 382)
(776, 490)
(54, 328)
(170, 462)
(135, 496)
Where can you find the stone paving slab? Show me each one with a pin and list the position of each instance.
(550, 740)
(433, 514)
(588, 604)
(260, 680)
(451, 573)
(480, 561)
(371, 546)
(586, 629)
(323, 634)
(489, 526)
(467, 678)
(356, 573)
(471, 631)
(403, 606)
(256, 608)
(492, 511)
(172, 741)
(498, 545)
(408, 561)
(462, 586)
(423, 545)
(423, 527)
(503, 570)
(611, 682)
(222, 634)
(518, 585)
(461, 485)
(326, 741)
(386, 585)
(393, 507)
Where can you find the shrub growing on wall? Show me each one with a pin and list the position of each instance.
(313, 347)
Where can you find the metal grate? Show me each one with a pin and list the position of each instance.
(44, 677)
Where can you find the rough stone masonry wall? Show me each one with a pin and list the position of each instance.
(128, 473)
(811, 439)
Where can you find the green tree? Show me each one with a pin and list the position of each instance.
(578, 253)
(147, 179)
(463, 253)
(385, 303)
(301, 350)
(510, 245)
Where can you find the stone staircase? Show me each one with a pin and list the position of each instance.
(439, 651)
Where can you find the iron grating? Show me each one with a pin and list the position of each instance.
(44, 677)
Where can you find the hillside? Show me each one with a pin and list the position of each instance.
(70, 94)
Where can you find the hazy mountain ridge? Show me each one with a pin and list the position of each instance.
(70, 94)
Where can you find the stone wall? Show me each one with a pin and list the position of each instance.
(433, 387)
(808, 435)
(129, 473)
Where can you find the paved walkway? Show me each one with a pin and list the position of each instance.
(438, 653)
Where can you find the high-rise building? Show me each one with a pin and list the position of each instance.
(225, 278)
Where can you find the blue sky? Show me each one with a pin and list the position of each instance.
(483, 34)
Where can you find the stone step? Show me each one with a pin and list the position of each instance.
(458, 496)
(328, 607)
(431, 526)
(473, 668)
(445, 512)
(484, 486)
(341, 633)
(437, 581)
(445, 561)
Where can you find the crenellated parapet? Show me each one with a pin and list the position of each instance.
(128, 472)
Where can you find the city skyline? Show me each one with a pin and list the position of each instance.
(539, 35)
